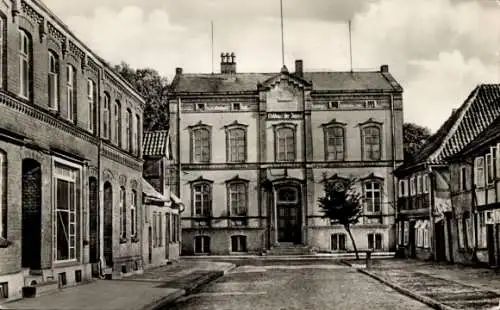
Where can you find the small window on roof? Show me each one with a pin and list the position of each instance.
(236, 106)
(333, 104)
(200, 107)
(370, 104)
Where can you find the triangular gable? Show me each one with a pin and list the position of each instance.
(285, 75)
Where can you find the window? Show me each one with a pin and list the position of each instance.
(481, 237)
(123, 214)
(3, 194)
(288, 195)
(461, 235)
(463, 179)
(285, 144)
(419, 184)
(3, 62)
(238, 243)
(400, 233)
(201, 148)
(133, 214)
(137, 134)
(419, 234)
(373, 196)
(371, 143)
(333, 104)
(426, 234)
(403, 188)
(370, 104)
(202, 199)
(128, 132)
(92, 102)
(168, 229)
(117, 138)
(160, 230)
(334, 143)
(338, 242)
(71, 96)
(406, 231)
(25, 69)
(238, 198)
(412, 186)
(155, 235)
(176, 227)
(375, 241)
(66, 213)
(200, 107)
(202, 244)
(425, 183)
(490, 167)
(236, 106)
(53, 81)
(479, 171)
(106, 115)
(236, 145)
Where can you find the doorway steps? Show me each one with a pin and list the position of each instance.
(289, 250)
(35, 284)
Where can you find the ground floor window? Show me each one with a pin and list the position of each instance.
(481, 236)
(238, 243)
(461, 233)
(338, 242)
(375, 241)
(202, 244)
(406, 231)
(66, 217)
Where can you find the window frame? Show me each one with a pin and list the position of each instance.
(337, 243)
(241, 246)
(123, 213)
(364, 145)
(403, 184)
(280, 128)
(205, 244)
(241, 184)
(209, 200)
(3, 194)
(106, 118)
(462, 171)
(71, 94)
(117, 123)
(3, 50)
(133, 213)
(230, 129)
(479, 165)
(329, 128)
(380, 190)
(193, 140)
(53, 73)
(128, 131)
(25, 57)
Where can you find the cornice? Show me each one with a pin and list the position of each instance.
(120, 156)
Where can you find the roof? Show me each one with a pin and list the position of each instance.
(479, 110)
(485, 139)
(155, 143)
(150, 192)
(321, 81)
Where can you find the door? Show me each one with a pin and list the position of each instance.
(490, 239)
(108, 224)
(31, 195)
(440, 241)
(288, 223)
(93, 220)
(411, 239)
(167, 235)
(150, 244)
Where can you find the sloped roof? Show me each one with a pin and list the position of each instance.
(478, 111)
(488, 136)
(321, 81)
(150, 192)
(155, 143)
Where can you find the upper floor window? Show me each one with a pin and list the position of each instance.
(123, 213)
(133, 214)
(202, 199)
(137, 134)
(3, 59)
(463, 179)
(412, 186)
(373, 196)
(236, 106)
(479, 172)
(117, 123)
(106, 116)
(425, 183)
(71, 93)
(236, 144)
(238, 198)
(370, 104)
(128, 131)
(334, 143)
(333, 104)
(92, 102)
(403, 188)
(285, 144)
(419, 184)
(53, 81)
(200, 144)
(371, 142)
(25, 69)
(3, 194)
(490, 165)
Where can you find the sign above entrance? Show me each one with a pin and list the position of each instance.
(284, 115)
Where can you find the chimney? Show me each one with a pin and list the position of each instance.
(178, 70)
(227, 63)
(384, 68)
(299, 68)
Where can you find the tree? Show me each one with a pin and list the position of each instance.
(342, 204)
(414, 137)
(153, 88)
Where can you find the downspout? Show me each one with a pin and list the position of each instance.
(394, 179)
(178, 229)
(99, 145)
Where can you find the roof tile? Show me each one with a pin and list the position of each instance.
(155, 143)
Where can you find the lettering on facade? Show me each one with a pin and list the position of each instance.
(284, 115)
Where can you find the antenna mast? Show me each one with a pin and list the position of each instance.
(212, 43)
(350, 46)
(282, 35)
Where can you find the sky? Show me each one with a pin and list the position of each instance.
(438, 50)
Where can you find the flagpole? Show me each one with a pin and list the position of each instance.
(282, 35)
(212, 43)
(350, 46)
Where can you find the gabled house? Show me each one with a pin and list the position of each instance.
(161, 204)
(424, 210)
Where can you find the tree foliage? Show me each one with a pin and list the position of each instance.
(342, 204)
(414, 137)
(153, 88)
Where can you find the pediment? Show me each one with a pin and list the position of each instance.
(285, 79)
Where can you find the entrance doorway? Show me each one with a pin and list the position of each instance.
(490, 242)
(150, 245)
(93, 220)
(289, 215)
(108, 224)
(31, 214)
(440, 242)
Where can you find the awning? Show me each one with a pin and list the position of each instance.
(151, 193)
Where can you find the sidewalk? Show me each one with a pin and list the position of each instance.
(441, 286)
(156, 287)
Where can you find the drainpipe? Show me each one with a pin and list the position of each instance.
(99, 146)
(394, 181)
(179, 173)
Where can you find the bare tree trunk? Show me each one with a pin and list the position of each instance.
(348, 229)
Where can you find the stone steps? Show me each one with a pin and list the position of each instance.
(289, 250)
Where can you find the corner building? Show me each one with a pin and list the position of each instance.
(256, 149)
(71, 167)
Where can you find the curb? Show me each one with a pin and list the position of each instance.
(426, 300)
(174, 297)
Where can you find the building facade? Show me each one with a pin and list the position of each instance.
(256, 149)
(71, 167)
(436, 188)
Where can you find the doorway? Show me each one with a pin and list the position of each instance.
(289, 215)
(94, 221)
(440, 241)
(490, 242)
(150, 244)
(412, 241)
(31, 214)
(108, 224)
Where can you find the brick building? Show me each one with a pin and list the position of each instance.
(71, 167)
(256, 148)
(436, 191)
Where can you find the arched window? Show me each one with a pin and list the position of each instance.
(285, 144)
(123, 214)
(202, 244)
(202, 199)
(92, 103)
(236, 145)
(71, 94)
(334, 143)
(3, 194)
(373, 196)
(371, 142)
(200, 144)
(238, 198)
(133, 214)
(25, 68)
(106, 116)
(137, 135)
(3, 58)
(53, 81)
(117, 123)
